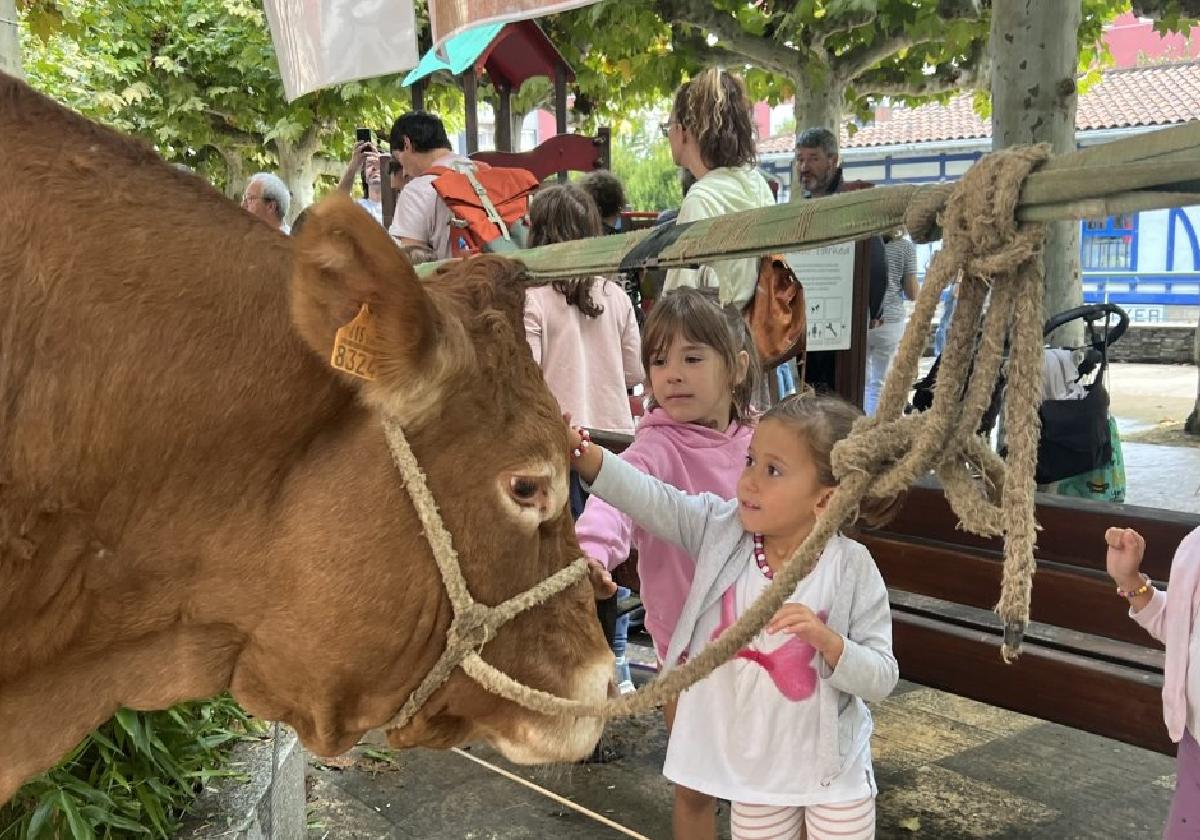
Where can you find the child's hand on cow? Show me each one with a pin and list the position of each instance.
(809, 627)
(586, 457)
(603, 586)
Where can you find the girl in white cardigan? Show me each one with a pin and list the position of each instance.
(781, 730)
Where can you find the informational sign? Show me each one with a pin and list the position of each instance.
(828, 277)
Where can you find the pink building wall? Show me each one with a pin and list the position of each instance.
(1133, 42)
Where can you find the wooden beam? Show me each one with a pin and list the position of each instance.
(849, 216)
(1072, 535)
(1078, 599)
(1110, 700)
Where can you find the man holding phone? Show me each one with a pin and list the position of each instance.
(365, 163)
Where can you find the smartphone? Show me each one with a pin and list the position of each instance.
(362, 135)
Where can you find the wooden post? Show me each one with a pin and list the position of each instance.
(471, 101)
(850, 366)
(386, 195)
(560, 107)
(504, 138)
(418, 95)
(604, 148)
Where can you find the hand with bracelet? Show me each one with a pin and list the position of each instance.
(1124, 563)
(586, 457)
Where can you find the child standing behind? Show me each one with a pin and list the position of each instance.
(582, 331)
(781, 730)
(1169, 617)
(694, 437)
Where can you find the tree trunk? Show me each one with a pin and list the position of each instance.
(10, 40)
(235, 172)
(1034, 57)
(1192, 425)
(818, 104)
(298, 169)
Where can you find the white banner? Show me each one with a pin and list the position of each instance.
(324, 42)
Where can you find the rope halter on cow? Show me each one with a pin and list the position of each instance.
(473, 624)
(991, 253)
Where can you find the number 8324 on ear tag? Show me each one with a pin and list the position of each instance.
(355, 349)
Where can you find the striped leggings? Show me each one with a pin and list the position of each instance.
(841, 821)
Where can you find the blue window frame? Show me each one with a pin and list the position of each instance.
(1109, 243)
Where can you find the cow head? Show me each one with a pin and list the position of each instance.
(451, 364)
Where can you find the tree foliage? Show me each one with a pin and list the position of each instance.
(650, 177)
(833, 56)
(199, 80)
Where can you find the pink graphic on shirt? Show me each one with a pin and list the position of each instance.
(789, 666)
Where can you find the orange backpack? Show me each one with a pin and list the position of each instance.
(489, 206)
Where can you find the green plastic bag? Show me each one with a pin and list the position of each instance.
(1104, 484)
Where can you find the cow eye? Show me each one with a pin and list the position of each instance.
(523, 488)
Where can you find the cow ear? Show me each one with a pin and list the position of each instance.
(343, 259)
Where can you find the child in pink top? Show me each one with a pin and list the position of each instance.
(582, 331)
(1170, 617)
(695, 437)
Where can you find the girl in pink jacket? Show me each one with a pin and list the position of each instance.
(1172, 620)
(701, 375)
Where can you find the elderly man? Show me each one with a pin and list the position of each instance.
(267, 197)
(818, 174)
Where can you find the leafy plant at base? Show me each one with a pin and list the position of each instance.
(134, 777)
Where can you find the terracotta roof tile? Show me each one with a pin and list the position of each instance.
(1161, 94)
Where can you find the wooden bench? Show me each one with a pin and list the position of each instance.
(1084, 663)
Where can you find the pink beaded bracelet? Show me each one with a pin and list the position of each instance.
(1141, 590)
(585, 441)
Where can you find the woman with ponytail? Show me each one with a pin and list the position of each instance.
(712, 136)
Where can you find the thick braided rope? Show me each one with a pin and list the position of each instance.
(984, 248)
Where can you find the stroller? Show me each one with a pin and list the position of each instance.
(1079, 453)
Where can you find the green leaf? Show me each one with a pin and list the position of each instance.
(39, 822)
(80, 828)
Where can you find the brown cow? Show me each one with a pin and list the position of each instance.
(192, 500)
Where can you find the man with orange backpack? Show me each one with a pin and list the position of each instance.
(453, 206)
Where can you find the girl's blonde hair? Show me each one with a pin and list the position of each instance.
(563, 213)
(822, 420)
(688, 314)
(716, 111)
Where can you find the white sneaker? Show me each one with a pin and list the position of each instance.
(626, 687)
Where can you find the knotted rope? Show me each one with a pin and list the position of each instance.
(988, 251)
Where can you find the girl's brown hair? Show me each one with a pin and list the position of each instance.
(688, 314)
(716, 111)
(822, 420)
(563, 213)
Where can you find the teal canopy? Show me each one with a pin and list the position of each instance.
(461, 52)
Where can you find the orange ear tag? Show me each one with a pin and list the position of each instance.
(355, 350)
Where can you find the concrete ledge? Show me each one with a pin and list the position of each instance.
(254, 809)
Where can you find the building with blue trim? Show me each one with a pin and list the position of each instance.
(1147, 262)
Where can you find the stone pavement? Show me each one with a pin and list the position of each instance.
(947, 769)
